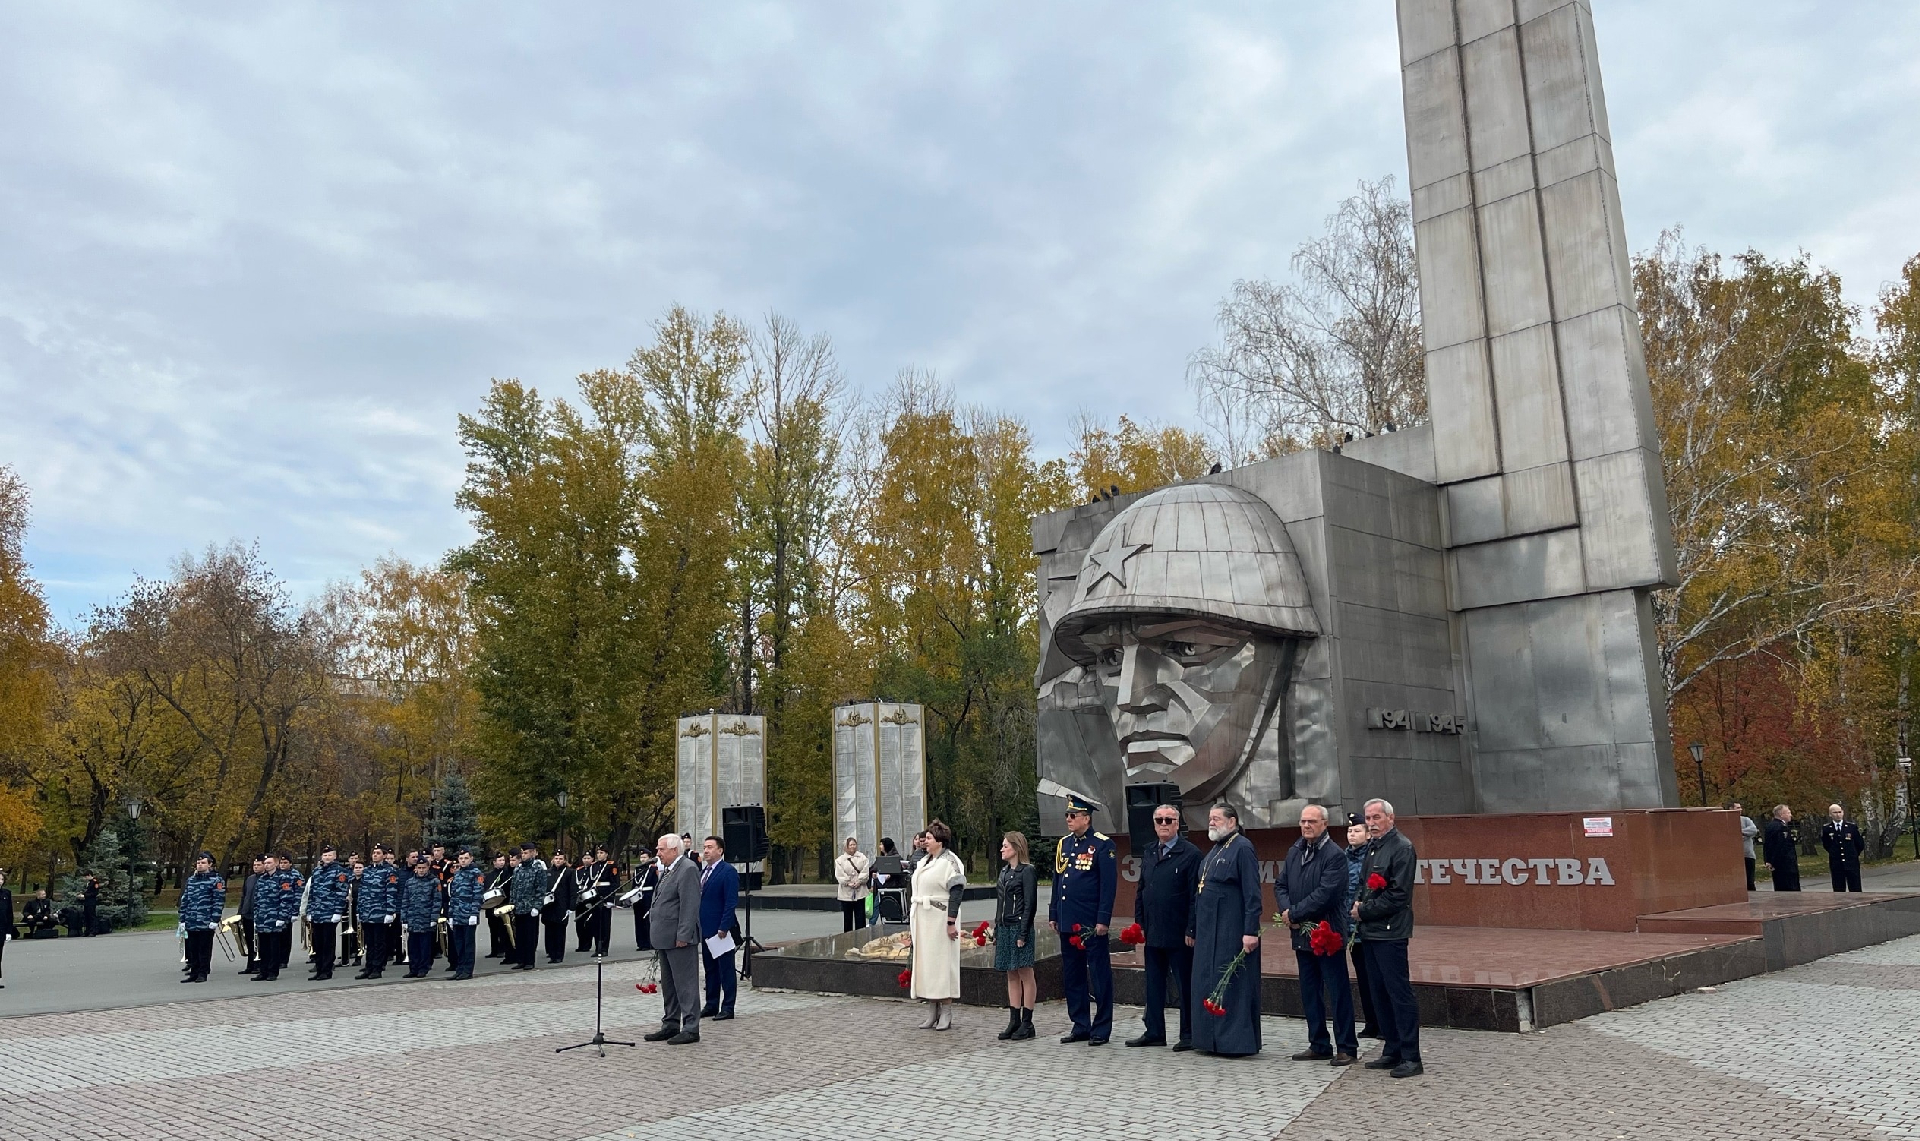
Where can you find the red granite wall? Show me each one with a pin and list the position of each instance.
(1543, 869)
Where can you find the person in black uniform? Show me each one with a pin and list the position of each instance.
(6, 921)
(1086, 873)
(496, 924)
(1169, 870)
(252, 944)
(1844, 844)
(1780, 844)
(90, 905)
(645, 879)
(554, 915)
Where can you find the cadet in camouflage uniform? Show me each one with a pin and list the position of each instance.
(379, 902)
(201, 901)
(529, 891)
(420, 911)
(276, 905)
(464, 888)
(326, 904)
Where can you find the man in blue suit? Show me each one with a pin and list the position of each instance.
(1312, 889)
(719, 894)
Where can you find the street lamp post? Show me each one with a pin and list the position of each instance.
(133, 814)
(1699, 752)
(560, 832)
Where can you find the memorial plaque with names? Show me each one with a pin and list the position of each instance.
(879, 773)
(721, 762)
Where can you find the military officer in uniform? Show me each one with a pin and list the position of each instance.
(464, 889)
(420, 911)
(1086, 872)
(528, 890)
(326, 903)
(276, 904)
(1843, 842)
(201, 901)
(379, 900)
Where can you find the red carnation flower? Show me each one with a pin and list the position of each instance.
(1376, 881)
(1076, 927)
(1133, 935)
(1078, 943)
(980, 932)
(646, 988)
(906, 978)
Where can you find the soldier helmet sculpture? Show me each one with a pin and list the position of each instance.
(1187, 613)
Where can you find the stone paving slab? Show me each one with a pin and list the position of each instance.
(476, 1060)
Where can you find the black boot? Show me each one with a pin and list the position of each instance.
(1026, 1026)
(1013, 1023)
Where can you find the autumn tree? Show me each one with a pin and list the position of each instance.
(1336, 350)
(28, 656)
(1133, 457)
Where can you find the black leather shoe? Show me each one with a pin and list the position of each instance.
(1342, 1060)
(1382, 1063)
(191, 979)
(1074, 1037)
(1310, 1056)
(723, 1016)
(1144, 1040)
(1096, 1041)
(709, 1011)
(684, 1038)
(1408, 1070)
(659, 1035)
(1182, 1047)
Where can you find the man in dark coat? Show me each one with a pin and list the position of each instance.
(1312, 889)
(1844, 844)
(1384, 914)
(1168, 870)
(1226, 937)
(1780, 844)
(247, 888)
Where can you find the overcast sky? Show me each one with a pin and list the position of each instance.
(255, 259)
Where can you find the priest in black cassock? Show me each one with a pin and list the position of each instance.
(1226, 921)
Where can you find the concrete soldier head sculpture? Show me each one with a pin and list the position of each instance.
(1187, 613)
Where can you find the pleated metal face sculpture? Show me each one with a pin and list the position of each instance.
(1188, 612)
(1186, 696)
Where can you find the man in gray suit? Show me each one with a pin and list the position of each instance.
(675, 932)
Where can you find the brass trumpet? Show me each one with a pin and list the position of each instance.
(227, 934)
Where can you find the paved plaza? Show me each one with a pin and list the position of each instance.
(1829, 1050)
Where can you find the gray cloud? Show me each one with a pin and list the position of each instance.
(253, 262)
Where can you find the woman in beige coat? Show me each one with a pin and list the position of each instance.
(850, 874)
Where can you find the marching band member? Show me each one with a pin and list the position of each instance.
(379, 901)
(201, 901)
(420, 911)
(326, 903)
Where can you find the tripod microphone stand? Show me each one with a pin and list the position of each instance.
(599, 1041)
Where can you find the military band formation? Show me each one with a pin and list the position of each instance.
(411, 912)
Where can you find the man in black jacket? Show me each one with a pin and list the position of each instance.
(554, 915)
(1384, 912)
(1780, 844)
(246, 918)
(1843, 842)
(1311, 887)
(1162, 908)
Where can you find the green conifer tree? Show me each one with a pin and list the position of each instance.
(454, 822)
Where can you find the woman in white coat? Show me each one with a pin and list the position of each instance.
(939, 881)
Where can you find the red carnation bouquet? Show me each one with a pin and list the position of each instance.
(649, 979)
(980, 934)
(1376, 882)
(1073, 938)
(1134, 935)
(1323, 939)
(906, 978)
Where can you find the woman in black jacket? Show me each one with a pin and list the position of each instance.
(1018, 895)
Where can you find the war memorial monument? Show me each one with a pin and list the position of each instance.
(1457, 616)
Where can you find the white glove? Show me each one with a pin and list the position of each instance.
(473, 921)
(182, 932)
(335, 919)
(388, 919)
